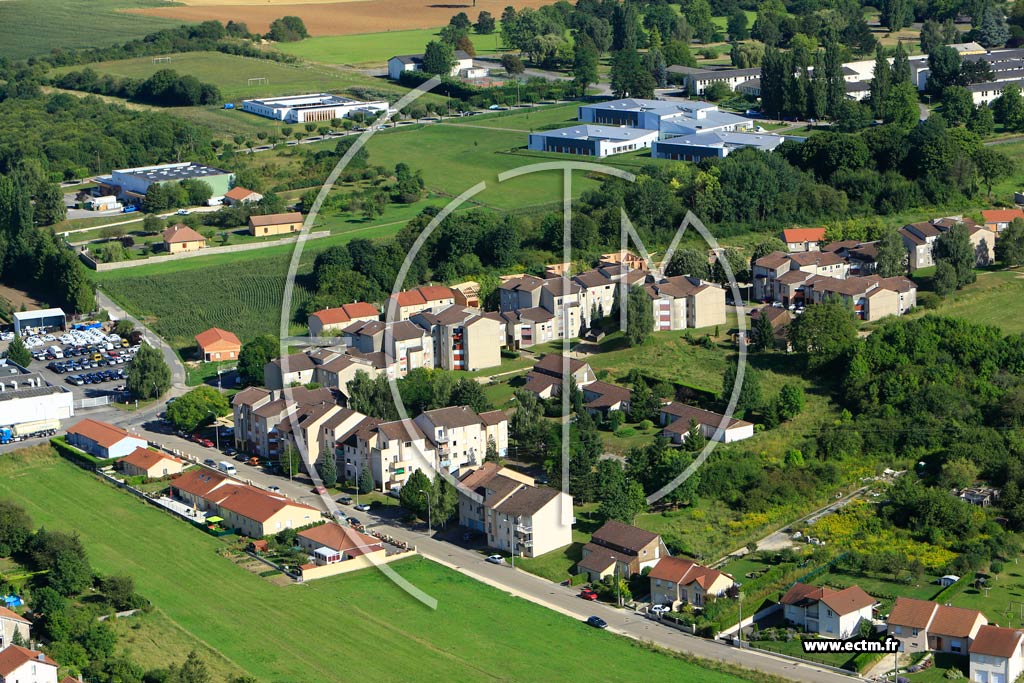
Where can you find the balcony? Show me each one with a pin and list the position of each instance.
(524, 529)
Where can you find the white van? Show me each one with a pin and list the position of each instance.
(227, 468)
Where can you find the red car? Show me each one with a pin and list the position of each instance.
(588, 594)
(319, 489)
(202, 441)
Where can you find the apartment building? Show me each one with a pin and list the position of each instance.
(463, 338)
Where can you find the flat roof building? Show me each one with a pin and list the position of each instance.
(678, 117)
(133, 183)
(714, 145)
(590, 140)
(314, 107)
(27, 397)
(44, 317)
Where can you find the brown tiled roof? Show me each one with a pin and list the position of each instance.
(802, 592)
(773, 260)
(296, 362)
(202, 482)
(996, 642)
(560, 286)
(683, 571)
(103, 433)
(403, 330)
(452, 416)
(912, 613)
(366, 328)
(551, 363)
(794, 277)
(178, 233)
(1001, 215)
(527, 500)
(436, 293)
(272, 409)
(593, 278)
(535, 314)
(276, 218)
(685, 413)
(777, 316)
(923, 229)
(525, 282)
(13, 616)
(897, 284)
(217, 336)
(249, 396)
(493, 417)
(816, 258)
(624, 536)
(239, 193)
(537, 382)
(853, 286)
(606, 394)
(481, 475)
(257, 505)
(911, 236)
(342, 539)
(597, 558)
(401, 430)
(803, 235)
(840, 244)
(848, 600)
(144, 458)
(955, 621)
(15, 656)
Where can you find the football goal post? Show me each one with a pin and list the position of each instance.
(161, 60)
(258, 81)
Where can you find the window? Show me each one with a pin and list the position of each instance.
(914, 632)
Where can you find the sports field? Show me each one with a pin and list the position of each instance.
(354, 627)
(231, 73)
(339, 18)
(34, 27)
(376, 48)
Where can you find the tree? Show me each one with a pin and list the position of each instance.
(512, 64)
(199, 191)
(900, 65)
(444, 501)
(254, 356)
(892, 255)
(824, 332)
(148, 376)
(944, 69)
(464, 43)
(70, 574)
(790, 401)
(762, 334)
(689, 262)
(881, 82)
(15, 528)
(485, 23)
(765, 247)
(18, 353)
(200, 406)
(698, 15)
(954, 246)
(290, 460)
(1008, 108)
(944, 279)
(896, 14)
(935, 34)
(194, 670)
(750, 397)
(287, 29)
(460, 21)
(120, 592)
(366, 483)
(992, 31)
(958, 473)
(329, 470)
(438, 58)
(1009, 250)
(415, 493)
(49, 206)
(957, 104)
(981, 122)
(835, 84)
(901, 108)
(584, 67)
(736, 25)
(628, 76)
(624, 504)
(639, 316)
(992, 166)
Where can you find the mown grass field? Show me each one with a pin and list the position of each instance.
(997, 298)
(477, 633)
(34, 27)
(231, 73)
(377, 48)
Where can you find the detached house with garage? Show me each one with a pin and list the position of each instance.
(618, 547)
(997, 655)
(826, 612)
(677, 581)
(921, 625)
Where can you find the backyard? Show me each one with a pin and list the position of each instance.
(362, 610)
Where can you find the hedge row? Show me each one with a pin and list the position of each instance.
(78, 457)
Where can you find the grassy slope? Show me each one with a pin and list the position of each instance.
(376, 48)
(34, 27)
(476, 634)
(996, 299)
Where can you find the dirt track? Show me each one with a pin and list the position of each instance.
(342, 18)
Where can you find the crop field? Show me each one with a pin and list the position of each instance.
(252, 622)
(338, 18)
(377, 48)
(231, 74)
(34, 27)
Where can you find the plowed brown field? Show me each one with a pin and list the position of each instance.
(339, 18)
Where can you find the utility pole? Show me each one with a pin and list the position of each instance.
(424, 492)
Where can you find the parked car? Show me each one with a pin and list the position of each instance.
(319, 489)
(660, 609)
(496, 559)
(363, 507)
(275, 489)
(354, 521)
(345, 500)
(597, 622)
(588, 594)
(209, 462)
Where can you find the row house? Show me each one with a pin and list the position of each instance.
(332, 320)
(686, 302)
(677, 419)
(404, 305)
(406, 345)
(601, 286)
(778, 275)
(463, 338)
(919, 240)
(258, 413)
(516, 515)
(923, 626)
(301, 430)
(460, 437)
(870, 297)
(862, 256)
(547, 309)
(528, 326)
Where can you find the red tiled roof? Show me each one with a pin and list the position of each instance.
(996, 642)
(15, 656)
(144, 458)
(800, 592)
(682, 571)
(257, 505)
(342, 539)
(14, 616)
(103, 433)
(345, 313)
(181, 233)
(214, 336)
(803, 235)
(1001, 215)
(239, 193)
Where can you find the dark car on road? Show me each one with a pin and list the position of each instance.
(597, 622)
(354, 521)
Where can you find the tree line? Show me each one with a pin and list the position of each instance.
(165, 88)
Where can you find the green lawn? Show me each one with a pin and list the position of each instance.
(539, 118)
(34, 27)
(794, 648)
(937, 672)
(1001, 603)
(665, 355)
(231, 73)
(557, 565)
(881, 587)
(251, 622)
(376, 48)
(997, 298)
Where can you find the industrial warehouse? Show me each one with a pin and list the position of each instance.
(131, 184)
(315, 107)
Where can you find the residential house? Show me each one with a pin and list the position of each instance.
(332, 320)
(343, 542)
(239, 195)
(275, 224)
(921, 625)
(528, 326)
(545, 380)
(352, 448)
(781, 277)
(145, 462)
(982, 496)
(393, 451)
(102, 439)
(467, 294)
(399, 64)
(766, 272)
(998, 220)
(622, 549)
(803, 239)
(561, 296)
(519, 292)
(623, 257)
(11, 623)
(179, 238)
(677, 581)
(251, 511)
(982, 239)
(599, 398)
(871, 297)
(919, 239)
(216, 344)
(287, 371)
(301, 430)
(333, 430)
(459, 436)
(517, 516)
(686, 302)
(826, 612)
(463, 338)
(406, 346)
(338, 369)
(677, 418)
(22, 665)
(996, 655)
(404, 305)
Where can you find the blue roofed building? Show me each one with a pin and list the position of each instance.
(590, 140)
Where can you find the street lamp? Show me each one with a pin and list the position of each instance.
(424, 492)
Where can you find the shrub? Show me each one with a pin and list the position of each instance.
(645, 425)
(625, 432)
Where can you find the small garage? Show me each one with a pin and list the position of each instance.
(47, 317)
